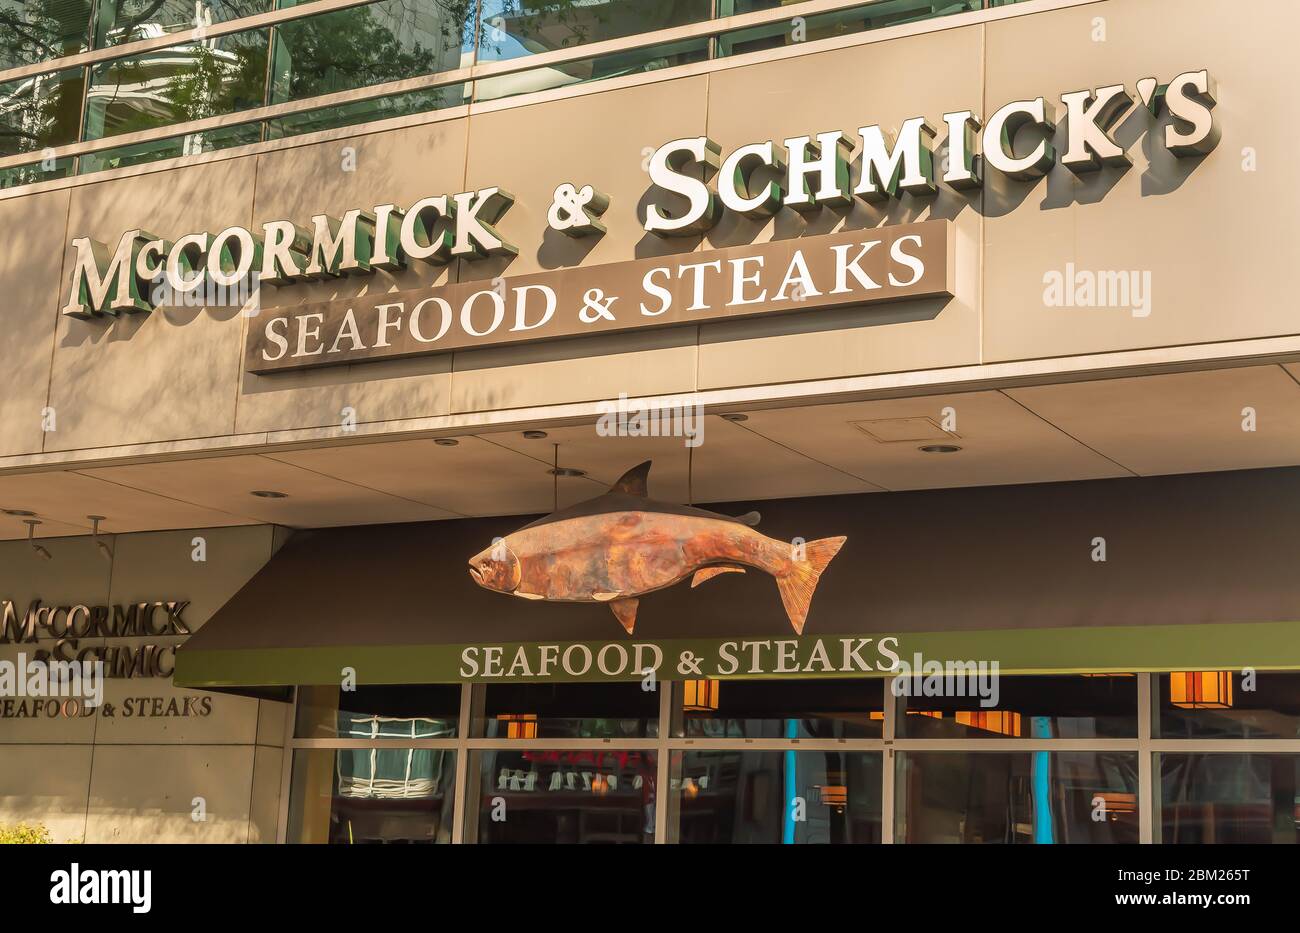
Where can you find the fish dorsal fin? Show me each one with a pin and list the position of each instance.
(633, 482)
(749, 518)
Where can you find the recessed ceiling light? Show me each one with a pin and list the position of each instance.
(446, 441)
(21, 513)
(269, 494)
(535, 435)
(939, 449)
(735, 416)
(566, 471)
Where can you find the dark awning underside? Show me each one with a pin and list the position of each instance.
(1200, 573)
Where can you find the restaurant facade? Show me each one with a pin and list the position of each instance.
(699, 421)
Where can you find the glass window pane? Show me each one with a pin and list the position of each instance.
(512, 28)
(635, 61)
(179, 83)
(777, 709)
(1016, 797)
(39, 112)
(356, 795)
(826, 25)
(1211, 798)
(365, 111)
(598, 796)
(568, 711)
(175, 147)
(132, 20)
(371, 44)
(35, 172)
(34, 31)
(775, 797)
(1228, 705)
(1069, 706)
(425, 711)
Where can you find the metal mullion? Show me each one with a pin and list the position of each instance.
(1146, 786)
(491, 69)
(129, 49)
(777, 745)
(377, 743)
(1015, 745)
(1218, 746)
(889, 766)
(458, 814)
(563, 745)
(663, 793)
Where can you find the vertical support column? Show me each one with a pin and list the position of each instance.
(663, 794)
(888, 766)
(286, 769)
(1147, 818)
(460, 805)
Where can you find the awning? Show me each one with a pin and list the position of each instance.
(1198, 573)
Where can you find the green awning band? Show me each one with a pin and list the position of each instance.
(1220, 646)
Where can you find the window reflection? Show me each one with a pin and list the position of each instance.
(1068, 706)
(823, 26)
(513, 28)
(122, 21)
(372, 795)
(1017, 797)
(771, 709)
(1229, 798)
(372, 44)
(191, 81)
(792, 797)
(1228, 705)
(570, 711)
(40, 111)
(34, 31)
(585, 796)
(423, 711)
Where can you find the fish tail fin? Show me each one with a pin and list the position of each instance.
(799, 582)
(625, 612)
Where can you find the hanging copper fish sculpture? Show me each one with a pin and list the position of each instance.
(620, 546)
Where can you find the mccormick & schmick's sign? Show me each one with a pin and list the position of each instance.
(803, 173)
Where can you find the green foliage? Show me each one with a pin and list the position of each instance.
(22, 834)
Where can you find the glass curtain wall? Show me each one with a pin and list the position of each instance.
(210, 77)
(1197, 756)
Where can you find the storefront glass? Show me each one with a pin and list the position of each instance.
(420, 712)
(811, 709)
(1070, 706)
(568, 711)
(1017, 797)
(1228, 705)
(777, 796)
(566, 796)
(372, 795)
(1225, 798)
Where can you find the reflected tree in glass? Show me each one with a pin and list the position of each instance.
(34, 31)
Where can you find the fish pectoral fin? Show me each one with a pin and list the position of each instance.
(750, 518)
(625, 612)
(708, 573)
(605, 597)
(524, 595)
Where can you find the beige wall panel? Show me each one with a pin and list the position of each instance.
(843, 90)
(144, 793)
(160, 566)
(618, 129)
(1211, 236)
(168, 374)
(650, 362)
(77, 573)
(398, 167)
(1180, 422)
(47, 785)
(264, 810)
(272, 724)
(37, 727)
(151, 711)
(30, 270)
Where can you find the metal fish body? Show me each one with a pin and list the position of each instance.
(620, 546)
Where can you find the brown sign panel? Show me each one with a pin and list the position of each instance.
(848, 268)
